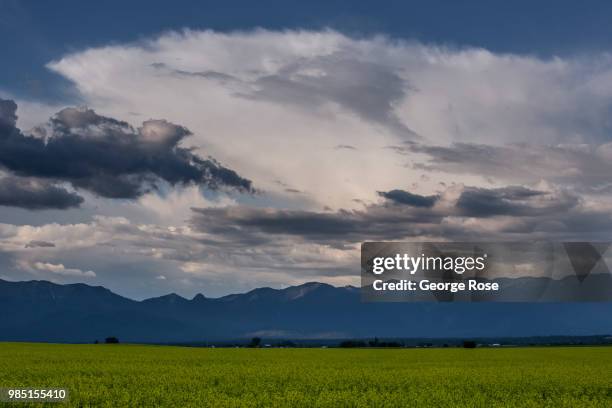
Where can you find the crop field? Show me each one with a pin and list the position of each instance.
(131, 375)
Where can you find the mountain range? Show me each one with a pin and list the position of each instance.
(49, 312)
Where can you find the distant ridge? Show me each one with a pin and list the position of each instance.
(44, 311)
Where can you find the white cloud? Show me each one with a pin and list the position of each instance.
(273, 105)
(73, 236)
(124, 254)
(174, 207)
(58, 269)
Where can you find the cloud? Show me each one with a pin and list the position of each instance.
(254, 226)
(460, 212)
(58, 269)
(100, 231)
(581, 166)
(124, 254)
(174, 207)
(293, 94)
(8, 116)
(514, 201)
(107, 156)
(237, 246)
(36, 194)
(39, 244)
(407, 198)
(368, 89)
(383, 139)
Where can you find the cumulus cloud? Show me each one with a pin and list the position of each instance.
(58, 269)
(124, 254)
(36, 194)
(348, 139)
(107, 156)
(407, 198)
(295, 94)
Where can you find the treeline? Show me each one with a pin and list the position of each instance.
(258, 342)
(371, 343)
(396, 344)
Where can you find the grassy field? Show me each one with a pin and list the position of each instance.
(129, 375)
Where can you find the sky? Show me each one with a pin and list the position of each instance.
(214, 148)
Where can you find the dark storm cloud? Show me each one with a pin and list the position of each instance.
(35, 194)
(8, 111)
(515, 200)
(108, 156)
(253, 226)
(407, 198)
(476, 213)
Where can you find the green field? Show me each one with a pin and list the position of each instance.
(129, 375)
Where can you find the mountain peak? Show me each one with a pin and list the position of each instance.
(299, 291)
(171, 298)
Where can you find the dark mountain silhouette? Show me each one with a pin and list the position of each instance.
(44, 311)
